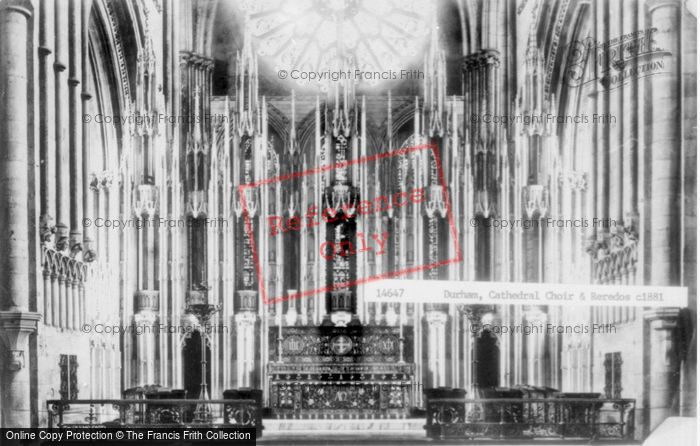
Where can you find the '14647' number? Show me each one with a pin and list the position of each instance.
(390, 292)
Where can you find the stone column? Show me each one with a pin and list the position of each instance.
(102, 361)
(75, 125)
(88, 182)
(602, 132)
(518, 348)
(591, 164)
(74, 299)
(51, 296)
(535, 344)
(46, 274)
(62, 114)
(246, 319)
(16, 321)
(453, 342)
(437, 320)
(552, 350)
(665, 147)
(665, 220)
(245, 330)
(14, 220)
(47, 143)
(93, 371)
(417, 351)
(104, 193)
(147, 297)
(630, 126)
(663, 372)
(146, 308)
(615, 142)
(506, 369)
(473, 331)
(115, 390)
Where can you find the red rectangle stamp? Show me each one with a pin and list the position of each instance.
(340, 209)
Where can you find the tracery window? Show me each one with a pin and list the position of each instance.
(323, 35)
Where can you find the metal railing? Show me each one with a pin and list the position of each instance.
(154, 413)
(534, 418)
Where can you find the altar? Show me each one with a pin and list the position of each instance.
(341, 372)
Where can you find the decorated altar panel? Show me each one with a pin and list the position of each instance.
(341, 372)
(329, 344)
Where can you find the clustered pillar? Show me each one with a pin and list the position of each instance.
(665, 222)
(17, 320)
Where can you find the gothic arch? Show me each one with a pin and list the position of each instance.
(107, 70)
(113, 45)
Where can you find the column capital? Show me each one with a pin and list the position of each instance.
(148, 318)
(146, 300)
(475, 312)
(656, 4)
(535, 313)
(668, 316)
(104, 179)
(245, 318)
(15, 328)
(22, 6)
(47, 228)
(436, 317)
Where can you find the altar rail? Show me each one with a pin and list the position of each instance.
(535, 418)
(154, 413)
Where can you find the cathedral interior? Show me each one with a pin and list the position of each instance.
(133, 259)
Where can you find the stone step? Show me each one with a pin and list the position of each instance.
(344, 432)
(409, 431)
